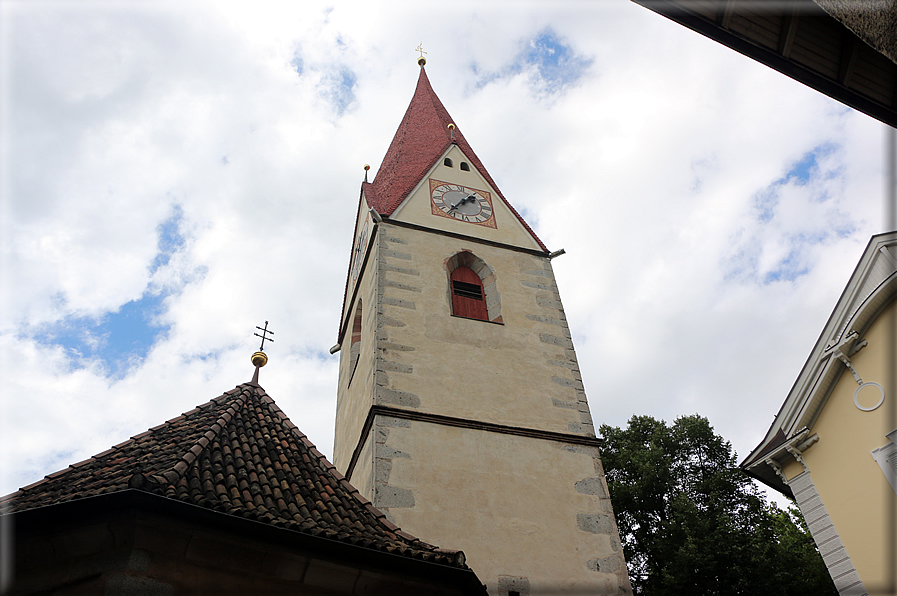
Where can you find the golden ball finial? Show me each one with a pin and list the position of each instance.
(451, 126)
(259, 359)
(420, 49)
(367, 167)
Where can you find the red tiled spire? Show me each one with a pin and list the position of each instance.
(240, 455)
(422, 138)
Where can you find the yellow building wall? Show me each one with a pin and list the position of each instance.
(855, 492)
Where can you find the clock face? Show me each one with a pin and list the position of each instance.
(461, 203)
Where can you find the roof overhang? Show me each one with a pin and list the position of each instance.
(801, 40)
(131, 503)
(872, 286)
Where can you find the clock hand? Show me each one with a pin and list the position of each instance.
(468, 199)
(459, 203)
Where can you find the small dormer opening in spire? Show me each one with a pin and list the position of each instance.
(447, 163)
(424, 137)
(465, 166)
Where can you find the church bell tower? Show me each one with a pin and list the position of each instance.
(461, 411)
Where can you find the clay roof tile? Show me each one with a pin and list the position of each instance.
(421, 139)
(216, 456)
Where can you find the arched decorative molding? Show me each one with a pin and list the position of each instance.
(871, 289)
(827, 366)
(486, 274)
(875, 298)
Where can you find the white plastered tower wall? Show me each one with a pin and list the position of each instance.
(357, 363)
(480, 437)
(473, 434)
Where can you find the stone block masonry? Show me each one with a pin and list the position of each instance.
(398, 283)
(601, 521)
(426, 472)
(387, 496)
(549, 312)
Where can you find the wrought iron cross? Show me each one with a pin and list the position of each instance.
(264, 336)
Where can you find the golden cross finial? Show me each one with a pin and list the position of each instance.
(265, 333)
(420, 49)
(260, 359)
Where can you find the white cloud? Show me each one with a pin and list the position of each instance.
(646, 171)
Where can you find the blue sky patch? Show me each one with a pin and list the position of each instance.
(339, 89)
(765, 203)
(297, 63)
(122, 338)
(171, 240)
(557, 64)
(118, 339)
(808, 182)
(799, 173)
(552, 64)
(744, 264)
(788, 269)
(808, 166)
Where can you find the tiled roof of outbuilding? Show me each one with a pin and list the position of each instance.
(423, 136)
(238, 454)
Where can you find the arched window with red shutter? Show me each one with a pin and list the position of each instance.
(468, 298)
(473, 288)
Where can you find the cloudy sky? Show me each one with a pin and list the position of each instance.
(175, 174)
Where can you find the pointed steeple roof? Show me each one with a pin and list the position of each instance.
(240, 455)
(422, 138)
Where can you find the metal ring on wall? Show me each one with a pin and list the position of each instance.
(856, 394)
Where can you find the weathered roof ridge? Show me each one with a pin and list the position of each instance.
(10, 497)
(238, 454)
(339, 476)
(177, 471)
(420, 140)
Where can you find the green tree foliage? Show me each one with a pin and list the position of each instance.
(691, 522)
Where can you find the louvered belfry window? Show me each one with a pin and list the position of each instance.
(467, 294)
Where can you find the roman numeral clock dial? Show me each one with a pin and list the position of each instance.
(461, 203)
